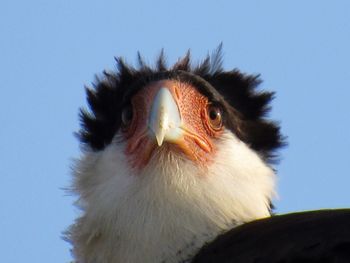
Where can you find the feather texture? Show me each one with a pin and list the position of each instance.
(313, 237)
(245, 107)
(167, 211)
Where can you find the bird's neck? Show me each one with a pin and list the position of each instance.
(170, 210)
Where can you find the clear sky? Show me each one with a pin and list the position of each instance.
(50, 49)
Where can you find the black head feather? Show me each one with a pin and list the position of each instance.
(244, 107)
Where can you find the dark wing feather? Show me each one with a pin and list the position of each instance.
(316, 236)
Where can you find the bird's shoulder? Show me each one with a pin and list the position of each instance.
(314, 236)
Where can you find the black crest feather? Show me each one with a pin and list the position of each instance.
(245, 107)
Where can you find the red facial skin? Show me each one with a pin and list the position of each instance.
(199, 132)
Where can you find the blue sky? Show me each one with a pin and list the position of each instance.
(50, 49)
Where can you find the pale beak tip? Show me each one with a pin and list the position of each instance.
(160, 140)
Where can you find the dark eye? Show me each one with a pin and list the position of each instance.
(127, 116)
(215, 117)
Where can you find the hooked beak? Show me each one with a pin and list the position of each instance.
(165, 117)
(164, 120)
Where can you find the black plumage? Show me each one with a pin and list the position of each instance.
(244, 106)
(307, 237)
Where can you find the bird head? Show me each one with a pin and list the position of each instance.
(170, 116)
(171, 156)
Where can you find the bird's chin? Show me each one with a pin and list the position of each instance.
(152, 154)
(170, 152)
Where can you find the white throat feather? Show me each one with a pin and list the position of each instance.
(169, 210)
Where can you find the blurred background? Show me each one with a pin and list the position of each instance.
(50, 49)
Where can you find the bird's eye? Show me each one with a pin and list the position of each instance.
(127, 116)
(214, 116)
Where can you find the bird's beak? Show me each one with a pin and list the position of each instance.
(166, 115)
(164, 120)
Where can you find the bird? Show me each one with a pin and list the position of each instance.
(177, 165)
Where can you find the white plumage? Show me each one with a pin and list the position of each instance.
(170, 209)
